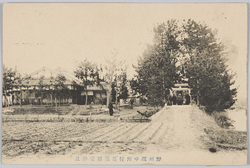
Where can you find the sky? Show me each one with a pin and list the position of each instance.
(62, 35)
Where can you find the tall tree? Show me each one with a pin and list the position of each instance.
(51, 89)
(205, 66)
(60, 87)
(157, 68)
(11, 78)
(41, 89)
(88, 73)
(123, 89)
(134, 86)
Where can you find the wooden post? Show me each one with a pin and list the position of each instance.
(86, 96)
(20, 97)
(51, 99)
(56, 103)
(116, 95)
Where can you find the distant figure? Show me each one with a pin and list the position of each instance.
(91, 105)
(179, 99)
(110, 109)
(187, 97)
(131, 102)
(174, 99)
(170, 99)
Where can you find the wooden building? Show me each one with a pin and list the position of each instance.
(42, 87)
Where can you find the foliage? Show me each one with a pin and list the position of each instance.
(11, 79)
(61, 89)
(88, 73)
(41, 89)
(206, 68)
(157, 70)
(189, 51)
(134, 85)
(122, 87)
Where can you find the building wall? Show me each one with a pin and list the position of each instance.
(76, 96)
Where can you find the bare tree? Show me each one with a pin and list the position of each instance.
(112, 69)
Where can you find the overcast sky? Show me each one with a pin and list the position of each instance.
(61, 35)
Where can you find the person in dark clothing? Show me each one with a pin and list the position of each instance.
(179, 99)
(174, 99)
(170, 100)
(187, 97)
(131, 102)
(111, 109)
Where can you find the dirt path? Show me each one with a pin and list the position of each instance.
(174, 128)
(180, 129)
(176, 132)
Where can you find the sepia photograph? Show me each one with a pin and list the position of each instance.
(124, 83)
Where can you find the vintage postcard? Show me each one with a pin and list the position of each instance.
(124, 83)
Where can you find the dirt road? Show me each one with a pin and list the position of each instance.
(176, 132)
(181, 125)
(174, 127)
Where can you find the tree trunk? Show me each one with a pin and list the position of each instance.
(108, 96)
(21, 98)
(107, 102)
(51, 99)
(86, 96)
(163, 85)
(59, 101)
(86, 88)
(198, 99)
(5, 96)
(198, 93)
(101, 98)
(116, 95)
(56, 103)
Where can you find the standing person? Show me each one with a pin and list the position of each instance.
(174, 99)
(111, 109)
(179, 99)
(131, 102)
(169, 100)
(187, 97)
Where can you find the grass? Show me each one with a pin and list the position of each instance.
(222, 119)
(77, 114)
(228, 139)
(62, 110)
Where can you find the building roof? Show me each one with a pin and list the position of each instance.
(35, 82)
(181, 85)
(49, 75)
